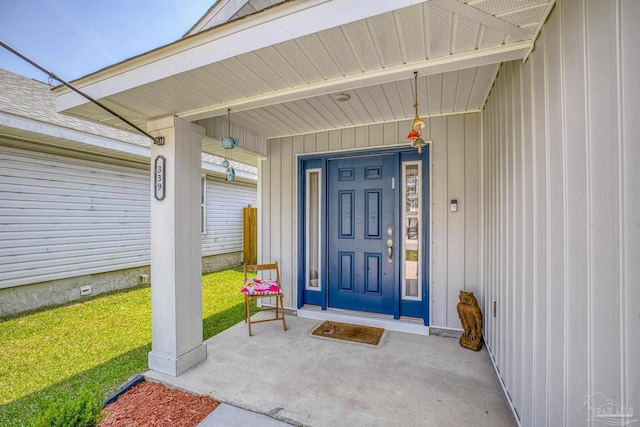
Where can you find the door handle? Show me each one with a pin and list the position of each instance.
(390, 250)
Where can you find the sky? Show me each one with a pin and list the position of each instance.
(73, 38)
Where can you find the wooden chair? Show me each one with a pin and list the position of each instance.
(263, 288)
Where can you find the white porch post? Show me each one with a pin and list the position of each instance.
(176, 249)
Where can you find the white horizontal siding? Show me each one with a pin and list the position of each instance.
(65, 214)
(455, 175)
(560, 203)
(63, 217)
(224, 222)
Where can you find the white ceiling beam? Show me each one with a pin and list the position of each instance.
(222, 12)
(238, 154)
(286, 22)
(484, 18)
(461, 61)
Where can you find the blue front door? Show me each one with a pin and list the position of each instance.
(361, 222)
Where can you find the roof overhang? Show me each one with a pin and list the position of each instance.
(286, 22)
(13, 126)
(272, 64)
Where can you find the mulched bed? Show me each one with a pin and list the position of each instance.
(153, 404)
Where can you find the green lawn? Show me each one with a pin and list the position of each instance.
(52, 354)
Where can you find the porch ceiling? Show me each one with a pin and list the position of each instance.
(438, 94)
(287, 87)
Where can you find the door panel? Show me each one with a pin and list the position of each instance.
(361, 211)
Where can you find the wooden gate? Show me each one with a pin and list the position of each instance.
(250, 236)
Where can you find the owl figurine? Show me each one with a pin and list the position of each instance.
(471, 319)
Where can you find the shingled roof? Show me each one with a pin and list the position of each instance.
(33, 99)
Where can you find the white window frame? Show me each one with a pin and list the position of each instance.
(203, 204)
(421, 226)
(307, 233)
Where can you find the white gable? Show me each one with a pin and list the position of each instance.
(224, 11)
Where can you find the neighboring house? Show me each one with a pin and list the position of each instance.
(527, 194)
(74, 203)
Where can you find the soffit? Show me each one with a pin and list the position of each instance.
(287, 87)
(453, 92)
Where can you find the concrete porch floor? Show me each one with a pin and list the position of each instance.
(407, 380)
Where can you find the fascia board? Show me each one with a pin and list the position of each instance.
(54, 131)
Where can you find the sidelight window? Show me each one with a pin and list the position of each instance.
(411, 223)
(313, 220)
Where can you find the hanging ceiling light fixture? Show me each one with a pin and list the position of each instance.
(418, 124)
(229, 143)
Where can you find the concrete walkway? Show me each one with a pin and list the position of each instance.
(230, 416)
(407, 380)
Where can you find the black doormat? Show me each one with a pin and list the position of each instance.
(349, 332)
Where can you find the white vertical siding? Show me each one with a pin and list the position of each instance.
(63, 217)
(439, 224)
(560, 202)
(455, 165)
(224, 222)
(65, 214)
(629, 104)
